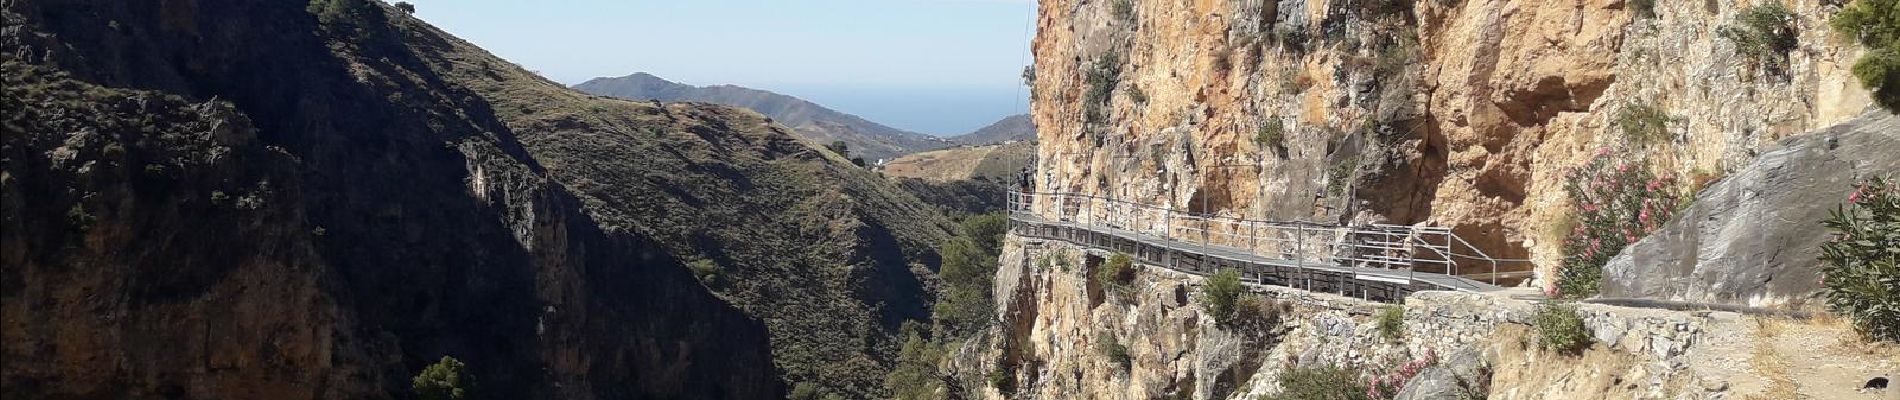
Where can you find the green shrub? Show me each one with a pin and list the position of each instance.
(705, 270)
(1115, 275)
(964, 306)
(1102, 76)
(1338, 175)
(447, 379)
(805, 391)
(1118, 270)
(1876, 25)
(1272, 134)
(1763, 34)
(1645, 9)
(1136, 95)
(1618, 202)
(1116, 353)
(1320, 383)
(1643, 123)
(1391, 321)
(1860, 265)
(1123, 10)
(986, 230)
(1003, 379)
(838, 146)
(1560, 328)
(915, 377)
(1222, 292)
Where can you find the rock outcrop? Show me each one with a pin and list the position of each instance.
(1754, 238)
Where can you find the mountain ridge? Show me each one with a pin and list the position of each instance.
(813, 121)
(1019, 127)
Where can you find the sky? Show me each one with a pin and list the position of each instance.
(941, 67)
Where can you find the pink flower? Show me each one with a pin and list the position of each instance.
(1854, 198)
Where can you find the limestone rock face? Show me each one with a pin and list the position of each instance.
(1463, 114)
(1754, 238)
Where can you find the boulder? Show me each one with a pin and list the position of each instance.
(1753, 238)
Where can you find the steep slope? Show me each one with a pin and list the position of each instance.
(996, 162)
(405, 196)
(223, 199)
(812, 121)
(1015, 127)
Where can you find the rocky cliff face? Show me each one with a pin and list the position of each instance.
(1755, 237)
(221, 199)
(1462, 114)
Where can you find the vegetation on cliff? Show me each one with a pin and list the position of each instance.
(1861, 264)
(1876, 25)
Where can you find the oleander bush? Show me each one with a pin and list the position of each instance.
(1221, 294)
(1860, 265)
(1617, 203)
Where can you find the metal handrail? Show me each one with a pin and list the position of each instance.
(1348, 244)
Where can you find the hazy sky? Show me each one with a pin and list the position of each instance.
(932, 66)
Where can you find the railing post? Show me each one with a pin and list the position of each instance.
(1299, 255)
(1253, 237)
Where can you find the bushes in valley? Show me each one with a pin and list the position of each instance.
(1763, 34)
(1391, 321)
(1560, 328)
(915, 377)
(1876, 25)
(965, 306)
(1860, 264)
(447, 379)
(1617, 202)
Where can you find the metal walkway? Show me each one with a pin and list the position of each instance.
(1373, 262)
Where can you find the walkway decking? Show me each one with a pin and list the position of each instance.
(1337, 277)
